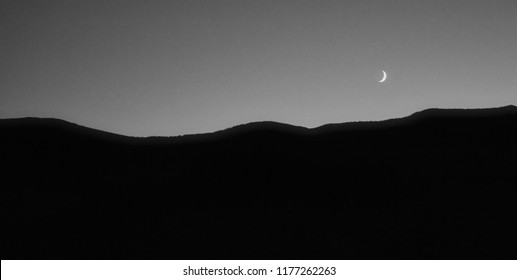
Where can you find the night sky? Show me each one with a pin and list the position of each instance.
(172, 67)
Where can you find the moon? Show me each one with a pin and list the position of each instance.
(383, 77)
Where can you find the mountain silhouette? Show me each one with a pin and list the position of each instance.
(438, 184)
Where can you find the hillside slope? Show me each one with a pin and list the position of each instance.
(439, 184)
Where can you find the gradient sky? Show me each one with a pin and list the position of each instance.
(179, 67)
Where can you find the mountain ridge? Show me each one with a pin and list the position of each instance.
(268, 125)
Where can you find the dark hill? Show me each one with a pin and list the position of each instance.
(439, 184)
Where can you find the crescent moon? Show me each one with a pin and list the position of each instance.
(384, 77)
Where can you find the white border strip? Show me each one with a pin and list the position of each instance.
(349, 270)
